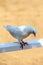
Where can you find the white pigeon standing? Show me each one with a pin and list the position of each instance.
(20, 32)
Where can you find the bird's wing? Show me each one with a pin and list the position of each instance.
(16, 32)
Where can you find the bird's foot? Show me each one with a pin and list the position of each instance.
(25, 43)
(22, 43)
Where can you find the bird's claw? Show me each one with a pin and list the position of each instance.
(23, 44)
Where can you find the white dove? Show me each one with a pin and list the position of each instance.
(20, 32)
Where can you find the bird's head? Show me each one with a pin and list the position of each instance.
(34, 32)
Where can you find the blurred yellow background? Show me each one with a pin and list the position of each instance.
(16, 13)
(20, 12)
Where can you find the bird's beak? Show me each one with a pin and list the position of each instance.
(34, 33)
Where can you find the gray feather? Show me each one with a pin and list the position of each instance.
(20, 32)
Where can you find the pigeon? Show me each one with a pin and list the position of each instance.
(20, 32)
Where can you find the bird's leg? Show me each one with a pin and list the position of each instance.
(22, 43)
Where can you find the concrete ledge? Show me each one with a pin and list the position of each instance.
(13, 46)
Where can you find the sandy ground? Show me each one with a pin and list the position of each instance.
(24, 57)
(16, 13)
(20, 12)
